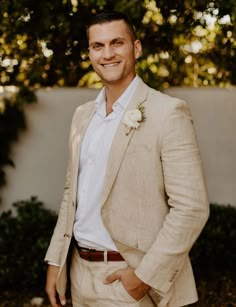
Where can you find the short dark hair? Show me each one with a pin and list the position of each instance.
(109, 16)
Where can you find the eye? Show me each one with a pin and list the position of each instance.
(118, 43)
(96, 46)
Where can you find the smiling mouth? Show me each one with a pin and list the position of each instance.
(110, 64)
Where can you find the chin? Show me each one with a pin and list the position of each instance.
(112, 80)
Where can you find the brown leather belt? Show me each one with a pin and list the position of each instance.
(95, 255)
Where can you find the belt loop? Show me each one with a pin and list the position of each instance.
(105, 256)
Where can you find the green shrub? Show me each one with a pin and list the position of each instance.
(215, 249)
(24, 239)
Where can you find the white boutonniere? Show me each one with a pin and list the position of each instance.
(133, 118)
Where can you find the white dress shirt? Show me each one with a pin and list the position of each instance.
(89, 230)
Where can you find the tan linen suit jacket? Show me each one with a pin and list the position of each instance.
(154, 203)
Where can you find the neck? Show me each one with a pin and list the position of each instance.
(115, 90)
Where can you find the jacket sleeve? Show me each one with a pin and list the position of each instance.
(187, 200)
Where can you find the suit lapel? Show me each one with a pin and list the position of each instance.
(121, 141)
(77, 136)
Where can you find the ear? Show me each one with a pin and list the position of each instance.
(137, 49)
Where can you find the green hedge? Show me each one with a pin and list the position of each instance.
(215, 249)
(24, 238)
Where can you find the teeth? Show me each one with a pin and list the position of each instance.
(110, 65)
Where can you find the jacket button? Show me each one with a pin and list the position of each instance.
(67, 235)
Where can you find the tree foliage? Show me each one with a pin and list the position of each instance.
(185, 42)
(43, 43)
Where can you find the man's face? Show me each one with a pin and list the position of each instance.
(113, 52)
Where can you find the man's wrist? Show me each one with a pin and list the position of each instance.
(140, 282)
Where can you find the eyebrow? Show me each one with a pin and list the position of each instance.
(112, 41)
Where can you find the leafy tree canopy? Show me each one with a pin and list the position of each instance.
(185, 42)
(43, 43)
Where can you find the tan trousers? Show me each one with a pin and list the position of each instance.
(88, 289)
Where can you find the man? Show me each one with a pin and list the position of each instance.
(135, 199)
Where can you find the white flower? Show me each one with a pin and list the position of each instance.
(132, 118)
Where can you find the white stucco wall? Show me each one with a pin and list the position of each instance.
(214, 115)
(40, 155)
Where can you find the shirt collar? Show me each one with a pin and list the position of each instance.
(122, 101)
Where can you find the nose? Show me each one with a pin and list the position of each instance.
(108, 52)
